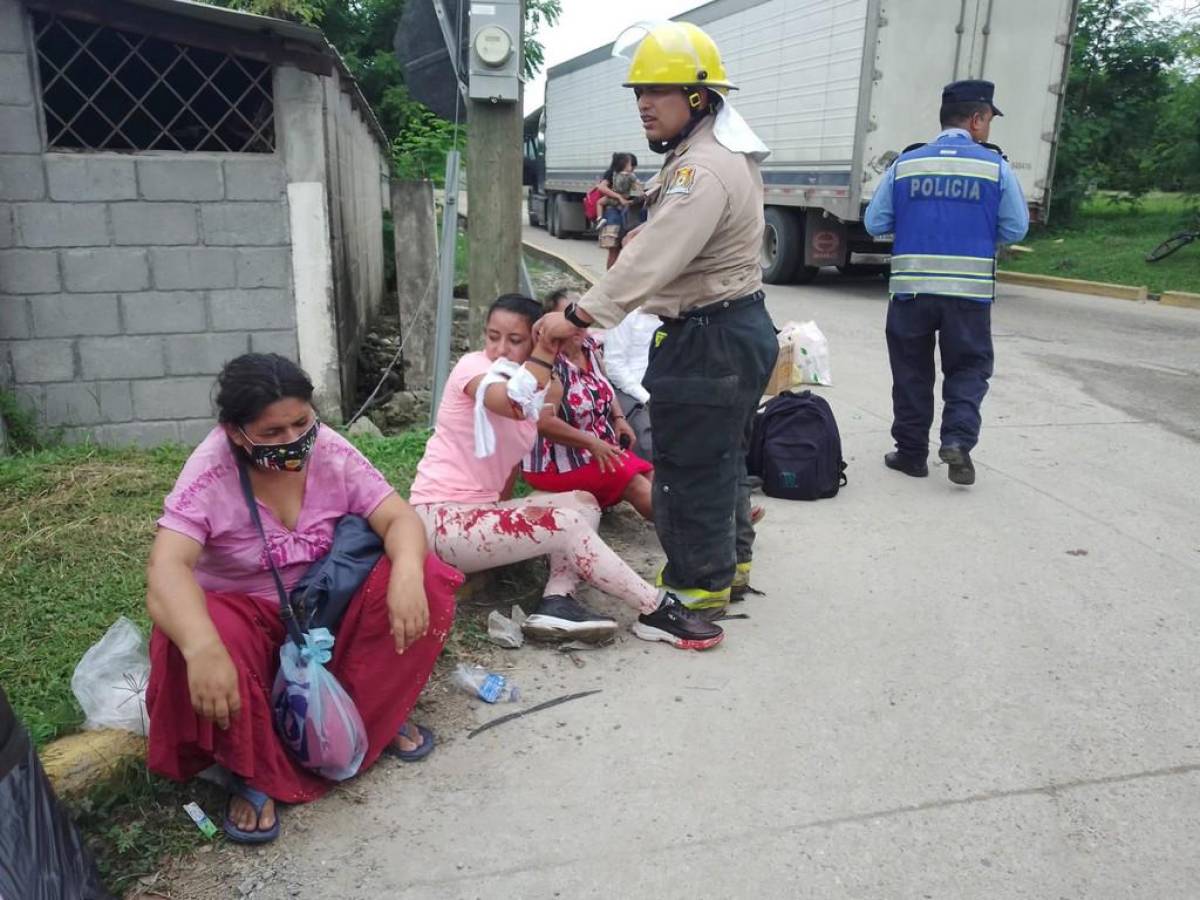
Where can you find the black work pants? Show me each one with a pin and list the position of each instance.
(706, 376)
(963, 331)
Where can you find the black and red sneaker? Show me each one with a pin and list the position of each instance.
(678, 626)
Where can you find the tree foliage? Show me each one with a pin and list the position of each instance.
(1131, 118)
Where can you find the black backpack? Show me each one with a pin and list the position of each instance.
(795, 448)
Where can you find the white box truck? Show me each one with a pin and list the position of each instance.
(837, 89)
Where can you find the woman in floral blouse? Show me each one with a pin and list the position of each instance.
(583, 444)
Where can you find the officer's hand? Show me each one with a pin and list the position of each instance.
(625, 429)
(632, 234)
(607, 456)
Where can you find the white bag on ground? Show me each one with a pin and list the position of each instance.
(110, 681)
(810, 353)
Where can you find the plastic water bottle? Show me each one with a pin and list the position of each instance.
(487, 686)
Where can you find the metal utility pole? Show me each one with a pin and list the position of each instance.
(494, 141)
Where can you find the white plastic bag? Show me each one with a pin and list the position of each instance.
(110, 681)
(810, 353)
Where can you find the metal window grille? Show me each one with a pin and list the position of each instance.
(109, 89)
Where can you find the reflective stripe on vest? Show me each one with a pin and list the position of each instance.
(948, 165)
(973, 288)
(976, 266)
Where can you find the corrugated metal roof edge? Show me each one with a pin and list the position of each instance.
(296, 31)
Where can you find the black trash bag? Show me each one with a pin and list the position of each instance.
(42, 855)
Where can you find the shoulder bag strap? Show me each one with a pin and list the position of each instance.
(285, 604)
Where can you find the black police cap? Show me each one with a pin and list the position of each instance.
(971, 91)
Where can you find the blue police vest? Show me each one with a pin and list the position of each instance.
(946, 197)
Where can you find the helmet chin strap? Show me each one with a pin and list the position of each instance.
(694, 98)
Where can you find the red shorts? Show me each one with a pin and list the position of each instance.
(606, 487)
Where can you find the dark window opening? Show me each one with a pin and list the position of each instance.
(108, 89)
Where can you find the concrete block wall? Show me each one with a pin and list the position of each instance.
(127, 280)
(357, 196)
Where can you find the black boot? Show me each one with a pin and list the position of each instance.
(909, 465)
(962, 470)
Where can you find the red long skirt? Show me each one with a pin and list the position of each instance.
(384, 685)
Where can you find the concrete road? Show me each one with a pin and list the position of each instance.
(945, 693)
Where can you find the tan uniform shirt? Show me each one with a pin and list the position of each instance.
(702, 239)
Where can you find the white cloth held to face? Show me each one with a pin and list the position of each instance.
(523, 391)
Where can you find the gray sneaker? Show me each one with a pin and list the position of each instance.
(560, 617)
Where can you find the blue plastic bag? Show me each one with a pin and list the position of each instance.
(314, 716)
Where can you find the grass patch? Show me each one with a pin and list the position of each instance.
(75, 528)
(1109, 241)
(134, 823)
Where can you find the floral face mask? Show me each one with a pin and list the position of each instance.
(289, 457)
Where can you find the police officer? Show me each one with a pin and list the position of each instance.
(948, 204)
(695, 264)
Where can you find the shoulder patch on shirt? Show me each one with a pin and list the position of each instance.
(682, 181)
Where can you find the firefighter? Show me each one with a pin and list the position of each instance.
(948, 203)
(695, 264)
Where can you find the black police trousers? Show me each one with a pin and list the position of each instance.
(706, 376)
(962, 330)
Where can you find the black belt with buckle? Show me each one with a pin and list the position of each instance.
(720, 307)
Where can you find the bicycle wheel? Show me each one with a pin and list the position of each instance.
(1170, 245)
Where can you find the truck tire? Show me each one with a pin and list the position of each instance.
(563, 216)
(552, 215)
(782, 247)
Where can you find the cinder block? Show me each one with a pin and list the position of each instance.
(193, 431)
(251, 310)
(7, 231)
(36, 361)
(146, 224)
(193, 267)
(62, 224)
(69, 315)
(244, 224)
(90, 403)
(178, 178)
(164, 312)
(173, 398)
(29, 272)
(269, 267)
(29, 398)
(22, 178)
(14, 319)
(121, 357)
(105, 270)
(254, 179)
(281, 342)
(12, 26)
(19, 130)
(203, 354)
(16, 86)
(138, 434)
(90, 177)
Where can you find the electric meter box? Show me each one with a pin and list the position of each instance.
(495, 51)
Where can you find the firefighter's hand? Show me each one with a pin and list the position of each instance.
(607, 457)
(631, 235)
(552, 329)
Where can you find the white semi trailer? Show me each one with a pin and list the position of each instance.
(836, 88)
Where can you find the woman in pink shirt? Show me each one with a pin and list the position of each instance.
(217, 630)
(486, 423)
